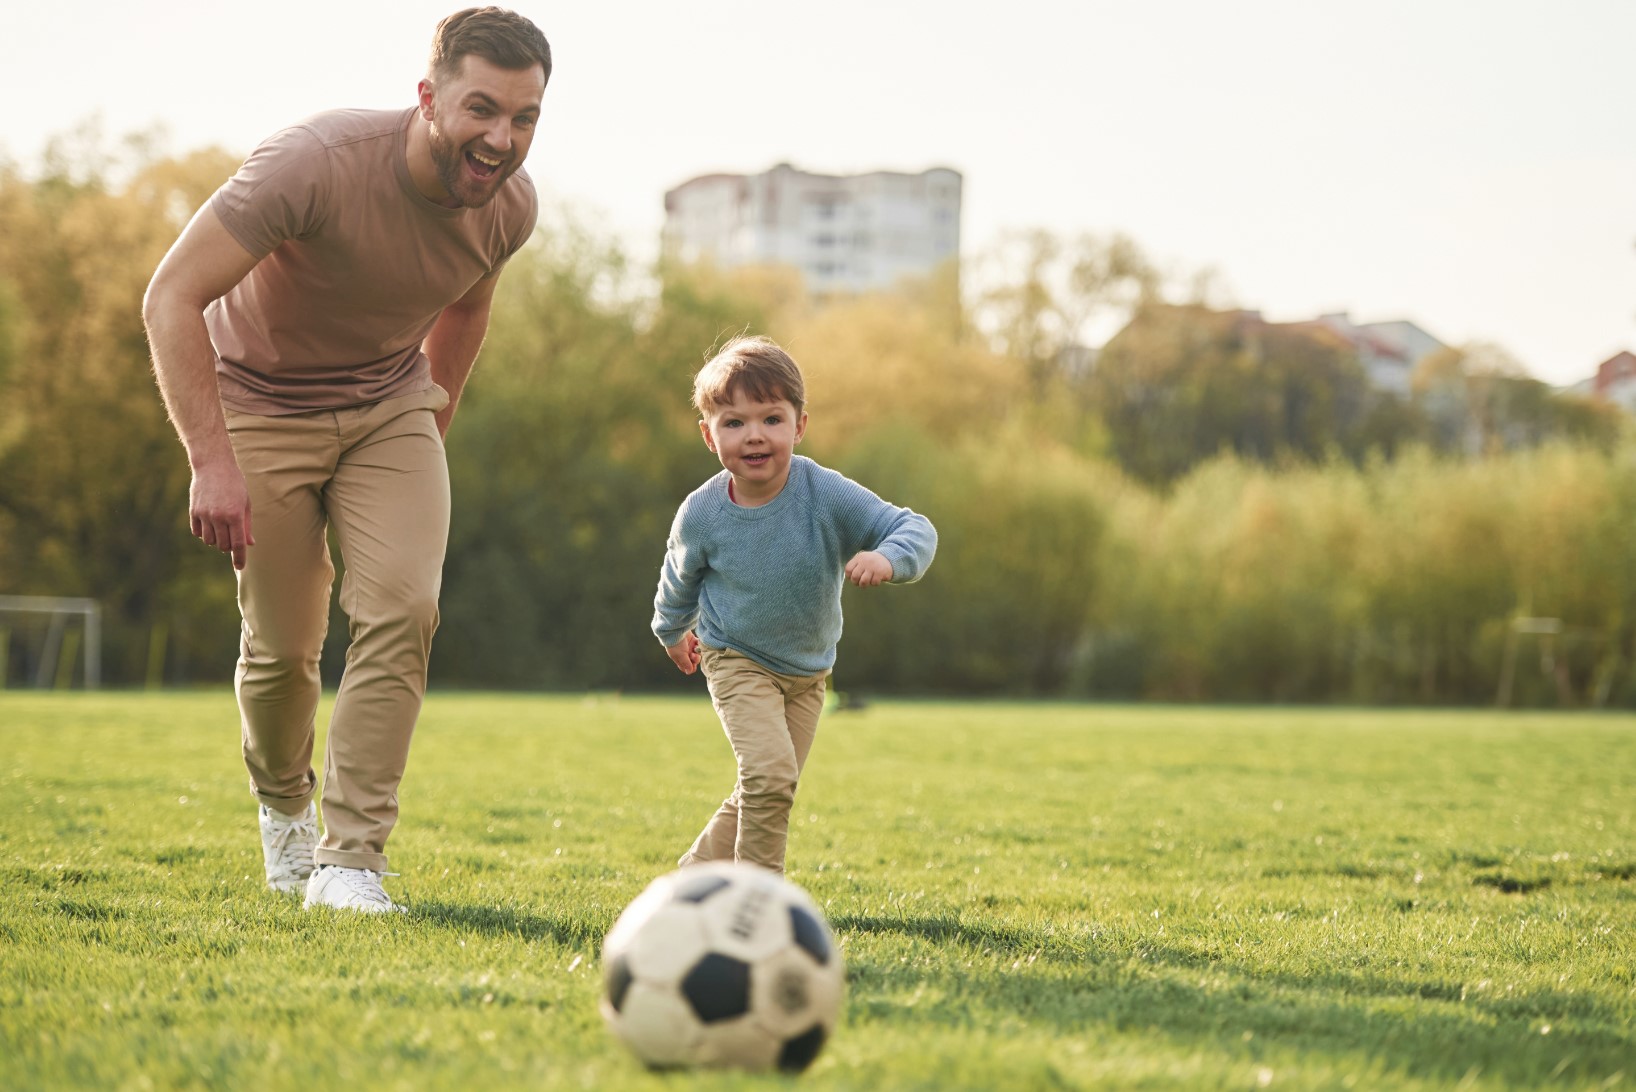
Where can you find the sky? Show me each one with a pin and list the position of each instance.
(1469, 165)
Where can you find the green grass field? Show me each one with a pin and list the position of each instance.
(1028, 896)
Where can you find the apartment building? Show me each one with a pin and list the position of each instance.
(845, 233)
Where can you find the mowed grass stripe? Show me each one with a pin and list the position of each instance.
(1028, 896)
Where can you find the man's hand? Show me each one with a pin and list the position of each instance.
(685, 654)
(218, 506)
(868, 568)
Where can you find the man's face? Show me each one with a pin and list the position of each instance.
(482, 121)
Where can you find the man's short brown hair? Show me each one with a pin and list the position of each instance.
(503, 38)
(754, 367)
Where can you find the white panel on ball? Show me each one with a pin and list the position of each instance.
(722, 965)
(672, 941)
(657, 1024)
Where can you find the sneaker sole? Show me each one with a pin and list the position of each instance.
(393, 909)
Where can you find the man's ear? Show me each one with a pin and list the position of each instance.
(709, 440)
(427, 94)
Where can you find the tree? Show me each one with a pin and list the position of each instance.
(1479, 400)
(93, 484)
(569, 455)
(1180, 384)
(1046, 295)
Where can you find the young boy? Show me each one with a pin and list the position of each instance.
(751, 585)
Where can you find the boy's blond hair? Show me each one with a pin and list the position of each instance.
(756, 367)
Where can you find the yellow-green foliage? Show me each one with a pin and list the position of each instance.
(1085, 548)
(1007, 602)
(1235, 582)
(1395, 581)
(93, 484)
(874, 360)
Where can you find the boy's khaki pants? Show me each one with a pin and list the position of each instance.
(378, 475)
(770, 720)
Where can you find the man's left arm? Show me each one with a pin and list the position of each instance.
(454, 340)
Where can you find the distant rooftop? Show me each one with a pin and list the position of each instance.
(844, 232)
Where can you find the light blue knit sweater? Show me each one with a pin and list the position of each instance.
(767, 581)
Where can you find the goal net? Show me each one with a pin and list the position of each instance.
(43, 638)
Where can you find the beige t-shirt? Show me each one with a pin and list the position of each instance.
(356, 265)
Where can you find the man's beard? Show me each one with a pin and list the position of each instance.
(450, 163)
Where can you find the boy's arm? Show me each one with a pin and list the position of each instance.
(889, 544)
(904, 540)
(676, 603)
(685, 653)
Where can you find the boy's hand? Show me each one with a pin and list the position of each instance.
(868, 568)
(685, 654)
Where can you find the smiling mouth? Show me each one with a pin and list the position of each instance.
(483, 166)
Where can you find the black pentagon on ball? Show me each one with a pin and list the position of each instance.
(718, 988)
(698, 888)
(799, 1052)
(789, 989)
(617, 975)
(810, 934)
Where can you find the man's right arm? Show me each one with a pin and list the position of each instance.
(204, 264)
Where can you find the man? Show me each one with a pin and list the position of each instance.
(311, 331)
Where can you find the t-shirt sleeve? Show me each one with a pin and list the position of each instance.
(519, 236)
(525, 229)
(279, 193)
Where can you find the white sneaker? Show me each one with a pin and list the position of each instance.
(350, 889)
(287, 843)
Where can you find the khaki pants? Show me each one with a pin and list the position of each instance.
(378, 475)
(770, 720)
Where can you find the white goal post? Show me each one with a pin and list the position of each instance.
(56, 662)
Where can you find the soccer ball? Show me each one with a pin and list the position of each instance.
(722, 964)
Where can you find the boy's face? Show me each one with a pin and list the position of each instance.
(754, 441)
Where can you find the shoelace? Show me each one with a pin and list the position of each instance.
(365, 884)
(292, 845)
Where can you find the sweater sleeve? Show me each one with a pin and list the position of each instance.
(676, 604)
(901, 535)
(909, 541)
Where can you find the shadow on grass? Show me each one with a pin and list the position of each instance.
(1421, 1028)
(503, 921)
